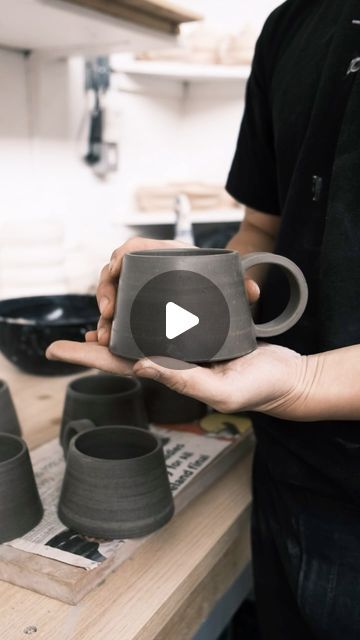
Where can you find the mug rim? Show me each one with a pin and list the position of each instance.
(23, 449)
(95, 396)
(112, 427)
(195, 252)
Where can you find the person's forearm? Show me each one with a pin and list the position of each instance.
(253, 235)
(328, 388)
(258, 232)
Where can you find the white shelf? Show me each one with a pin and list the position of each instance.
(217, 216)
(184, 72)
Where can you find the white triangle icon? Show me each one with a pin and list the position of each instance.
(178, 320)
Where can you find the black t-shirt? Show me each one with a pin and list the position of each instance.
(298, 156)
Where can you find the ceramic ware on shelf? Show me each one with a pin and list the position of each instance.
(20, 505)
(208, 283)
(28, 325)
(104, 399)
(165, 406)
(9, 422)
(116, 483)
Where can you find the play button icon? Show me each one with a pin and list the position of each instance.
(179, 315)
(178, 320)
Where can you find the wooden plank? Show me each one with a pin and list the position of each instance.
(137, 601)
(226, 607)
(145, 594)
(199, 603)
(160, 16)
(70, 584)
(165, 9)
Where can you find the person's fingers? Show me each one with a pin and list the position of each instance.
(88, 354)
(106, 293)
(198, 382)
(107, 286)
(138, 244)
(252, 290)
(103, 331)
(91, 336)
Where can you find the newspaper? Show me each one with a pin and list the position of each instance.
(186, 455)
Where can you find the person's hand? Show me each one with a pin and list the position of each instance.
(109, 277)
(262, 380)
(271, 379)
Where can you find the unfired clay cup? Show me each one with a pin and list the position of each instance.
(211, 275)
(20, 505)
(104, 399)
(9, 422)
(116, 483)
(165, 406)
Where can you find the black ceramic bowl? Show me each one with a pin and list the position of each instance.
(29, 325)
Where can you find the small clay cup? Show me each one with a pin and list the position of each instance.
(20, 505)
(116, 483)
(104, 399)
(9, 422)
(165, 406)
(209, 283)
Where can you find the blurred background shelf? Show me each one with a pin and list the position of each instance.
(58, 27)
(184, 72)
(165, 218)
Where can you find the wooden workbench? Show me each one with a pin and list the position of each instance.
(166, 591)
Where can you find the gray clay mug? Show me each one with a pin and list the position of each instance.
(165, 406)
(105, 399)
(209, 283)
(116, 483)
(20, 505)
(9, 422)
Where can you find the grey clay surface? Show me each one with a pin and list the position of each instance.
(20, 505)
(116, 483)
(104, 399)
(165, 406)
(9, 422)
(225, 269)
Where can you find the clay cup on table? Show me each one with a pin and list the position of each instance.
(165, 406)
(116, 483)
(209, 285)
(9, 422)
(105, 399)
(20, 505)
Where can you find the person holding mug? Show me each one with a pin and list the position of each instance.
(296, 171)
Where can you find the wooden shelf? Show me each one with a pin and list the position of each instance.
(217, 216)
(184, 72)
(160, 15)
(69, 27)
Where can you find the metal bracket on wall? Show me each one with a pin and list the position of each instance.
(97, 74)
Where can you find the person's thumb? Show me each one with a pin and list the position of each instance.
(252, 290)
(182, 377)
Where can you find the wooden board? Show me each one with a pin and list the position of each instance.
(174, 579)
(174, 573)
(70, 584)
(153, 14)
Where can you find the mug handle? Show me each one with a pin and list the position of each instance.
(72, 429)
(298, 293)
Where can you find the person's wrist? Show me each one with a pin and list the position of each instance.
(299, 390)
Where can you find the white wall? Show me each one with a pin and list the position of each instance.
(164, 134)
(13, 104)
(233, 14)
